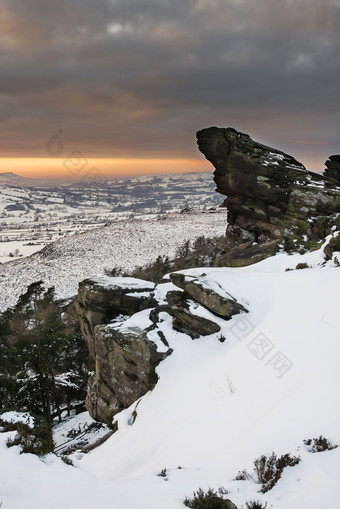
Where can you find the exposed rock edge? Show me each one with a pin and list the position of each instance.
(273, 201)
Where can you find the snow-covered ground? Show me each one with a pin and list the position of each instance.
(218, 406)
(126, 244)
(17, 249)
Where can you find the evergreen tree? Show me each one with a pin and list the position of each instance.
(43, 358)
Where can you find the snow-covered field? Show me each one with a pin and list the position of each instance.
(17, 249)
(218, 406)
(126, 244)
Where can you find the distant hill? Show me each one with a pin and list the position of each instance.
(127, 244)
(8, 178)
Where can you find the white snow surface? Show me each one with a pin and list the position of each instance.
(14, 417)
(218, 406)
(126, 283)
(126, 244)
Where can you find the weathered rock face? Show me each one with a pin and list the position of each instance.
(271, 197)
(333, 246)
(102, 299)
(185, 321)
(333, 168)
(217, 301)
(125, 369)
(121, 322)
(125, 361)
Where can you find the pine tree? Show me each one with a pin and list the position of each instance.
(43, 358)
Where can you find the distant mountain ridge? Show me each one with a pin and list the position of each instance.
(9, 178)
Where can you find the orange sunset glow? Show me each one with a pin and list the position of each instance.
(93, 168)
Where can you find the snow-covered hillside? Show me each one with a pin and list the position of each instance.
(218, 406)
(32, 214)
(125, 244)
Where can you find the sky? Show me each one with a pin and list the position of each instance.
(125, 84)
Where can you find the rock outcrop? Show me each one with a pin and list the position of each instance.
(121, 319)
(201, 290)
(125, 360)
(333, 247)
(272, 200)
(333, 168)
(184, 320)
(102, 299)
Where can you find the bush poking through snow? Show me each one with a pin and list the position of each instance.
(67, 460)
(302, 266)
(256, 504)
(163, 473)
(243, 476)
(319, 444)
(210, 499)
(269, 469)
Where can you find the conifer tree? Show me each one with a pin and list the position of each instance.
(43, 358)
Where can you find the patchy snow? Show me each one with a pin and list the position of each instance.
(17, 417)
(139, 294)
(17, 249)
(209, 284)
(77, 433)
(161, 290)
(124, 244)
(125, 283)
(32, 213)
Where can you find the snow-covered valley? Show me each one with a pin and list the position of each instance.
(33, 214)
(126, 244)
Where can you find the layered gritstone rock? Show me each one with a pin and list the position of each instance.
(209, 294)
(125, 360)
(272, 200)
(121, 319)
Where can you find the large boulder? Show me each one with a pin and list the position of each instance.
(185, 320)
(209, 294)
(102, 299)
(270, 196)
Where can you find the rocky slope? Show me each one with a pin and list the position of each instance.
(272, 199)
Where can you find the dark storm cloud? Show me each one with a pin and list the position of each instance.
(139, 77)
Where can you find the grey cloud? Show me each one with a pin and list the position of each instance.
(141, 76)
